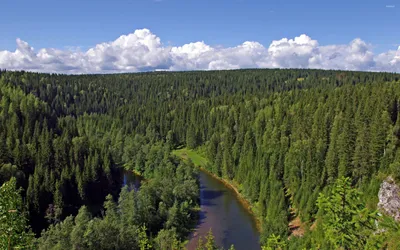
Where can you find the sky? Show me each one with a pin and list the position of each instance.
(99, 36)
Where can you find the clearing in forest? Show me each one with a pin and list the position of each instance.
(186, 154)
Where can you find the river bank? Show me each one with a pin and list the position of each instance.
(223, 213)
(245, 202)
(200, 162)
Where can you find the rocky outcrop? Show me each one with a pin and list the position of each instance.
(389, 198)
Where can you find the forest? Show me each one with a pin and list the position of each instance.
(296, 142)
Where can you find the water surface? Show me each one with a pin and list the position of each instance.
(221, 210)
(230, 221)
(131, 180)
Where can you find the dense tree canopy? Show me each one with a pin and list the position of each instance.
(14, 229)
(159, 214)
(283, 135)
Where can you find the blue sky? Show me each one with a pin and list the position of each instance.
(45, 23)
(226, 23)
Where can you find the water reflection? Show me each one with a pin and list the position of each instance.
(230, 221)
(220, 210)
(131, 180)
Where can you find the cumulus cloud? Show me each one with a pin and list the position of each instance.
(143, 51)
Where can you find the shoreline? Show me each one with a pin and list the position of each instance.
(228, 184)
(245, 203)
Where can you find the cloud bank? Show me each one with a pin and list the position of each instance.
(143, 51)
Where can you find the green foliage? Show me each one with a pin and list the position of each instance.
(196, 158)
(159, 215)
(210, 241)
(144, 243)
(168, 240)
(81, 225)
(57, 237)
(274, 242)
(14, 229)
(345, 220)
(200, 244)
(208, 244)
(390, 233)
(191, 141)
(281, 139)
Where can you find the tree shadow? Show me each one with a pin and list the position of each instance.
(207, 197)
(202, 217)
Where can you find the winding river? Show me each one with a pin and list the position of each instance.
(221, 210)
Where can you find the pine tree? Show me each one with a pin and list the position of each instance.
(274, 242)
(81, 224)
(210, 241)
(191, 138)
(144, 243)
(345, 220)
(361, 166)
(332, 160)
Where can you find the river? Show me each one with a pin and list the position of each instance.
(230, 221)
(131, 179)
(221, 210)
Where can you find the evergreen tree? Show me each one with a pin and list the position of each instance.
(346, 222)
(191, 138)
(14, 229)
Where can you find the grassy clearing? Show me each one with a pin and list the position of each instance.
(196, 158)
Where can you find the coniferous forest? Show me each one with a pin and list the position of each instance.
(309, 145)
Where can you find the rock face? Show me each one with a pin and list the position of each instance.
(389, 198)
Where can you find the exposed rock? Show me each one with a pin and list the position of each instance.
(389, 198)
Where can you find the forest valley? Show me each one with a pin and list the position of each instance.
(309, 145)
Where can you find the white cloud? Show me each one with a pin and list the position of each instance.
(142, 51)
